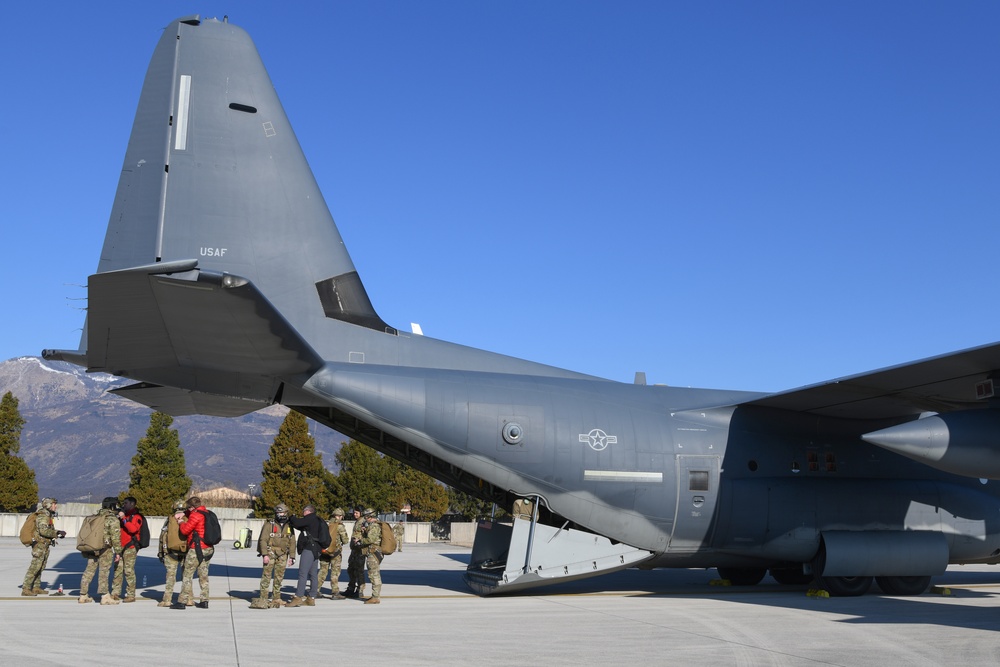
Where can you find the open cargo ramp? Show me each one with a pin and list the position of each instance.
(527, 554)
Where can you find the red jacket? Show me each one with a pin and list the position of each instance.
(195, 525)
(131, 525)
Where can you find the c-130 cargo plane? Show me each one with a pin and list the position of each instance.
(224, 287)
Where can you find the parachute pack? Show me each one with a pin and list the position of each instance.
(90, 539)
(28, 529)
(388, 543)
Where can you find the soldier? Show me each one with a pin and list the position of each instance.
(172, 551)
(398, 531)
(371, 540)
(356, 561)
(523, 509)
(100, 562)
(192, 526)
(42, 538)
(330, 559)
(276, 545)
(131, 523)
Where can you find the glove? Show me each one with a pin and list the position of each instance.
(60, 534)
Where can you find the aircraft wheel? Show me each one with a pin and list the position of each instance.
(743, 576)
(846, 586)
(790, 576)
(903, 585)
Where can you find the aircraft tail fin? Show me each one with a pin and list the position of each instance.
(214, 172)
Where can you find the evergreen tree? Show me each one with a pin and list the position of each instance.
(472, 508)
(159, 475)
(18, 489)
(293, 472)
(369, 479)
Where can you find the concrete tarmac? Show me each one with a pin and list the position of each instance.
(428, 617)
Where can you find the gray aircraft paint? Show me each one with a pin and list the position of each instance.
(224, 286)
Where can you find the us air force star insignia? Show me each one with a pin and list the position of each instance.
(598, 439)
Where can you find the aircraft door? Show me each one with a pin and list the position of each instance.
(697, 493)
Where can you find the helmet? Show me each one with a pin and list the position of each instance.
(178, 506)
(338, 512)
(280, 508)
(109, 503)
(47, 503)
(368, 512)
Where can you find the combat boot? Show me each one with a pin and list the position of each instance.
(259, 603)
(110, 599)
(28, 592)
(295, 602)
(277, 603)
(309, 602)
(163, 603)
(202, 605)
(373, 601)
(129, 599)
(84, 599)
(39, 591)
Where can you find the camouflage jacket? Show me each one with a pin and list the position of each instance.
(371, 537)
(45, 529)
(112, 530)
(359, 525)
(276, 539)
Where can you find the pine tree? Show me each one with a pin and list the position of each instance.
(159, 475)
(369, 479)
(293, 472)
(18, 489)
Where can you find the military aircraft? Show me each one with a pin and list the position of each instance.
(224, 286)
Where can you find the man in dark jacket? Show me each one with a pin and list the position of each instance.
(308, 547)
(131, 526)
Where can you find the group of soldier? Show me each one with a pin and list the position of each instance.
(277, 547)
(182, 546)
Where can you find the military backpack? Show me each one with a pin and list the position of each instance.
(172, 534)
(28, 529)
(213, 530)
(388, 543)
(90, 539)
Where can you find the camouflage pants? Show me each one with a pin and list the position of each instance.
(272, 577)
(191, 565)
(126, 570)
(355, 570)
(375, 574)
(172, 560)
(104, 561)
(39, 558)
(330, 566)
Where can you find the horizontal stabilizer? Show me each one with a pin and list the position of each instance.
(181, 402)
(197, 331)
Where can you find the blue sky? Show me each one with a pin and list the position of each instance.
(747, 195)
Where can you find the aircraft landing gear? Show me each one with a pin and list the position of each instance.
(742, 576)
(846, 586)
(903, 585)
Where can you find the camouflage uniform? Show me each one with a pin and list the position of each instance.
(45, 532)
(172, 559)
(277, 542)
(356, 562)
(191, 565)
(371, 539)
(398, 531)
(100, 562)
(330, 559)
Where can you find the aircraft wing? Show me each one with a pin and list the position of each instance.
(956, 381)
